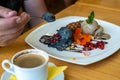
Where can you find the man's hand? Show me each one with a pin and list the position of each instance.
(11, 25)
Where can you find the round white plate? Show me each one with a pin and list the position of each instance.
(6, 75)
(95, 55)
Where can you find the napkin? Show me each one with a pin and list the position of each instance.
(53, 71)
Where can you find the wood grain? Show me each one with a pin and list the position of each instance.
(107, 69)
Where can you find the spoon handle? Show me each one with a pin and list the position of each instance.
(36, 17)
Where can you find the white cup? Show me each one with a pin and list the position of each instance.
(39, 72)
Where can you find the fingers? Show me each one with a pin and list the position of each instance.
(24, 18)
(8, 39)
(9, 31)
(15, 22)
(9, 23)
(5, 12)
(11, 28)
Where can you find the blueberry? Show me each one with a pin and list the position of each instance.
(65, 33)
(69, 42)
(49, 17)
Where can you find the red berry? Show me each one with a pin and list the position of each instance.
(91, 46)
(52, 40)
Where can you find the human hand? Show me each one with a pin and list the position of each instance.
(11, 25)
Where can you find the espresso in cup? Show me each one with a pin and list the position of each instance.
(29, 60)
(29, 64)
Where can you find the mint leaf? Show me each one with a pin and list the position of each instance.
(90, 18)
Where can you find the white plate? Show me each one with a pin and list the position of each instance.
(6, 75)
(95, 55)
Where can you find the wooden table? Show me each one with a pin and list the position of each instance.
(107, 69)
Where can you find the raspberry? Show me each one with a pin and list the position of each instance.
(101, 44)
(91, 46)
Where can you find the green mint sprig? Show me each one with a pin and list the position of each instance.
(90, 18)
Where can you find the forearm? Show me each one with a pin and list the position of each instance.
(35, 8)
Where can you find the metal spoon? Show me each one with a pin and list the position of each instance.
(49, 17)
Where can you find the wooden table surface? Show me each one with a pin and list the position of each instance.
(107, 69)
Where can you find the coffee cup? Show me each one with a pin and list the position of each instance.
(29, 64)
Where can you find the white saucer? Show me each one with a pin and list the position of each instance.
(6, 75)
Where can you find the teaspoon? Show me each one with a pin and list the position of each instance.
(49, 17)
